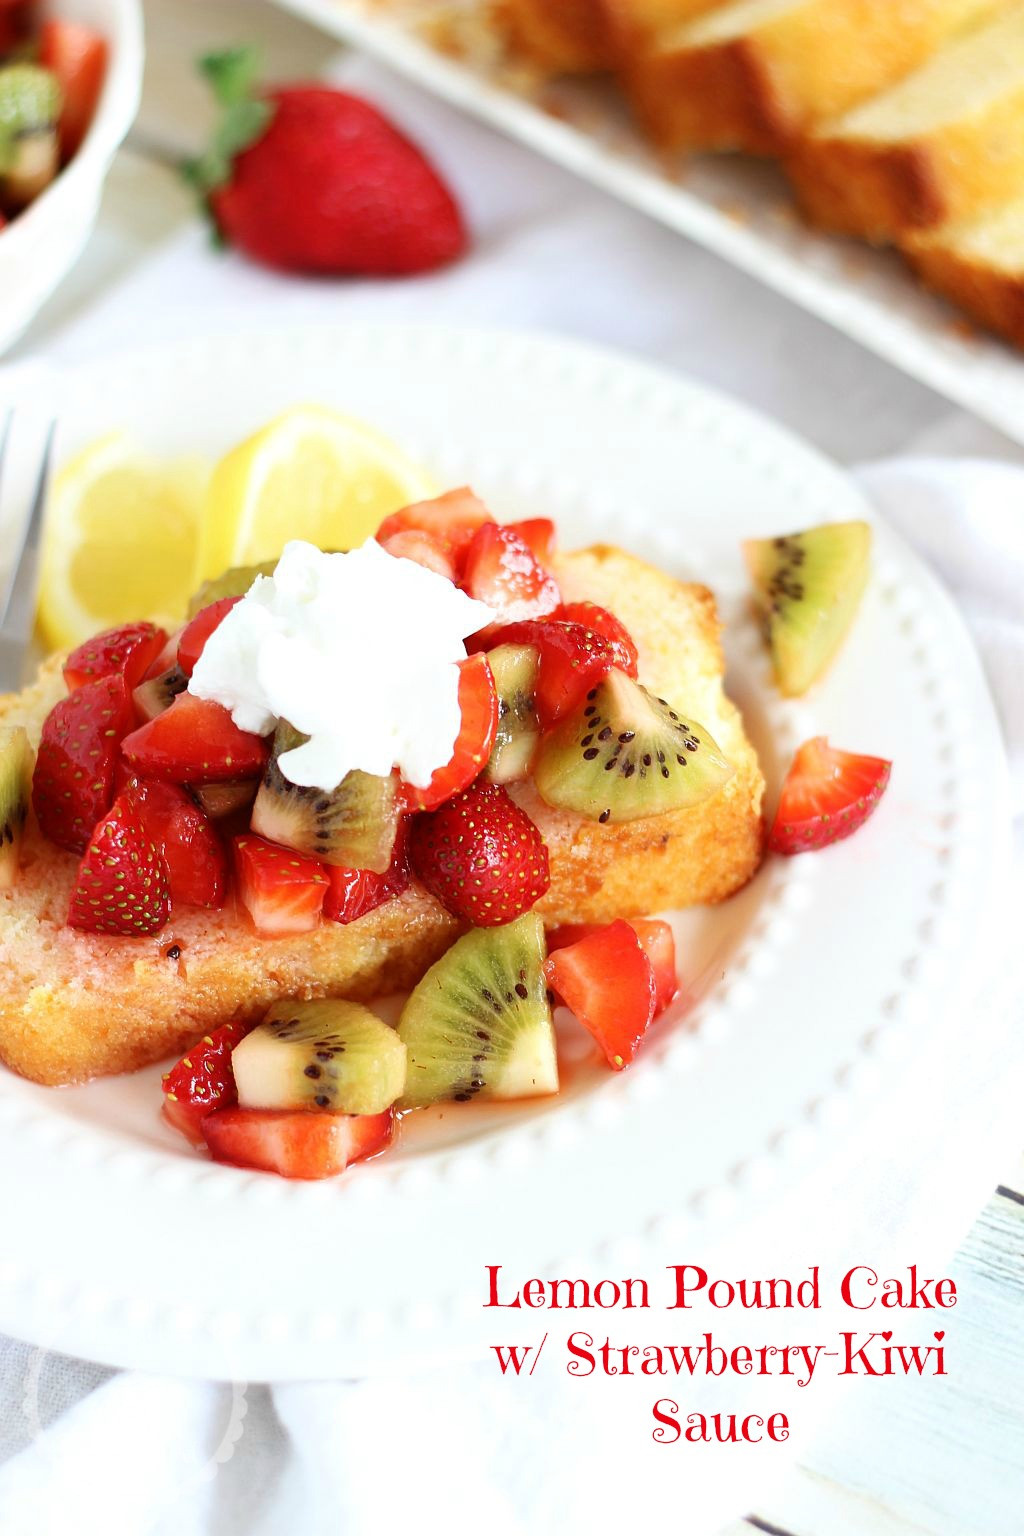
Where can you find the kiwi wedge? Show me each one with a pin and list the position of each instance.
(320, 1055)
(156, 694)
(809, 586)
(30, 101)
(220, 800)
(514, 668)
(479, 1025)
(354, 825)
(15, 794)
(235, 582)
(625, 754)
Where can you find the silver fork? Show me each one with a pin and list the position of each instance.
(18, 592)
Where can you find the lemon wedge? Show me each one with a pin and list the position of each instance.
(120, 541)
(309, 474)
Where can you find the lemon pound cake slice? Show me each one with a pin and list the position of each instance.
(978, 265)
(633, 25)
(755, 74)
(567, 38)
(945, 142)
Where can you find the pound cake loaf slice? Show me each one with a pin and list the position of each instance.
(979, 266)
(944, 143)
(632, 26)
(76, 1005)
(755, 74)
(567, 38)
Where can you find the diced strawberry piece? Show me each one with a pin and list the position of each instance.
(78, 57)
(354, 892)
(283, 891)
(656, 940)
(827, 795)
(196, 633)
(202, 1081)
(425, 548)
(196, 861)
(572, 660)
(195, 742)
(600, 622)
(129, 651)
(502, 571)
(298, 1144)
(539, 534)
(453, 519)
(608, 982)
(658, 943)
(481, 856)
(167, 658)
(122, 885)
(73, 783)
(478, 701)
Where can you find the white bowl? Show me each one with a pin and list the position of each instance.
(43, 243)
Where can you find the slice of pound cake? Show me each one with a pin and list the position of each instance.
(978, 265)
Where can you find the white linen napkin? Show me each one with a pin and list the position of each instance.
(96, 1452)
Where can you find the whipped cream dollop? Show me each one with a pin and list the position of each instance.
(357, 651)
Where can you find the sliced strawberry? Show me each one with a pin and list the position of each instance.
(608, 982)
(502, 571)
(129, 651)
(425, 548)
(572, 661)
(354, 892)
(478, 701)
(539, 534)
(481, 856)
(453, 519)
(196, 633)
(298, 1144)
(656, 940)
(827, 795)
(196, 862)
(600, 622)
(195, 742)
(282, 891)
(122, 885)
(202, 1081)
(78, 57)
(73, 783)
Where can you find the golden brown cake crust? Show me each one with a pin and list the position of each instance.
(78, 1005)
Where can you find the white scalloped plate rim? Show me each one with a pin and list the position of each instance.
(112, 1194)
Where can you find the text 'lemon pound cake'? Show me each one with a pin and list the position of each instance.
(81, 1004)
(755, 74)
(944, 143)
(978, 265)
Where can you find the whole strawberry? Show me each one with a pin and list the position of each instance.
(481, 856)
(310, 179)
(123, 885)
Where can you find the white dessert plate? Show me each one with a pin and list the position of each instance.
(121, 1244)
(738, 208)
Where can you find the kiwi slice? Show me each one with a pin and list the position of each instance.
(479, 1026)
(156, 694)
(15, 793)
(220, 800)
(354, 825)
(625, 754)
(809, 586)
(233, 583)
(514, 668)
(30, 99)
(320, 1055)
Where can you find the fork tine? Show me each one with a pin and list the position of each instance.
(17, 610)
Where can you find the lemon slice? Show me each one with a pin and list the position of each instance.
(309, 474)
(120, 541)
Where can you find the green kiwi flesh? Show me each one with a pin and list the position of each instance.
(233, 583)
(156, 694)
(625, 755)
(809, 586)
(320, 1055)
(15, 793)
(30, 101)
(514, 668)
(354, 825)
(479, 1025)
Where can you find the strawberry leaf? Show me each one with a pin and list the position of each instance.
(233, 75)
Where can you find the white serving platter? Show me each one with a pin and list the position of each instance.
(122, 1244)
(738, 208)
